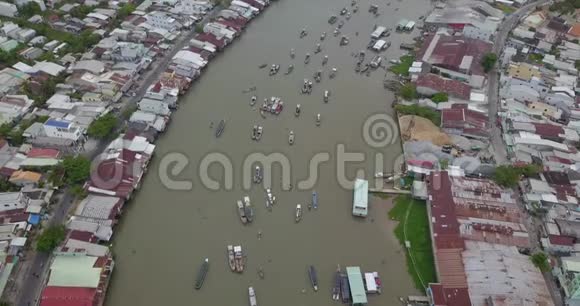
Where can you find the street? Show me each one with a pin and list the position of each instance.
(28, 292)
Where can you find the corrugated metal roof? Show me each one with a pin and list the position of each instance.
(357, 288)
(74, 271)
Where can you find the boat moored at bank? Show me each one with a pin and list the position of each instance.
(202, 273)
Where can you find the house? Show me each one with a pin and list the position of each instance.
(9, 45)
(14, 107)
(126, 52)
(159, 123)
(430, 84)
(568, 275)
(92, 66)
(12, 201)
(457, 56)
(154, 106)
(31, 53)
(11, 80)
(465, 122)
(40, 3)
(77, 279)
(25, 178)
(557, 244)
(62, 129)
(8, 9)
(162, 20)
(37, 41)
(49, 68)
(96, 214)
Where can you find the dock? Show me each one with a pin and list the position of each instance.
(389, 191)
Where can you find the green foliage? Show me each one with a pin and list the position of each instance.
(4, 303)
(127, 112)
(76, 169)
(577, 64)
(420, 111)
(81, 11)
(419, 237)
(505, 8)
(122, 13)
(199, 28)
(79, 191)
(509, 176)
(403, 67)
(408, 91)
(48, 89)
(536, 57)
(532, 29)
(540, 260)
(488, 61)
(102, 127)
(565, 7)
(29, 9)
(14, 132)
(6, 186)
(440, 97)
(12, 57)
(50, 238)
(444, 163)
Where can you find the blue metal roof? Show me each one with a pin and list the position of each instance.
(57, 123)
(34, 219)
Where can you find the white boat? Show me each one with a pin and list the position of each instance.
(248, 210)
(318, 119)
(242, 212)
(291, 138)
(323, 36)
(259, 132)
(326, 95)
(297, 112)
(376, 61)
(324, 60)
(298, 213)
(333, 73)
(238, 258)
(318, 49)
(252, 294)
(258, 175)
(274, 69)
(253, 100)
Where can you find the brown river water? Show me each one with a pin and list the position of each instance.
(165, 234)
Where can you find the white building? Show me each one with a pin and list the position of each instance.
(162, 20)
(62, 129)
(154, 106)
(8, 9)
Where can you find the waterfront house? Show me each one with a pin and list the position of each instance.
(430, 84)
(154, 106)
(466, 122)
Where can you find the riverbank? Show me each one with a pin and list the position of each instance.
(413, 228)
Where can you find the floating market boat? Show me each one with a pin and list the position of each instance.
(318, 119)
(261, 273)
(344, 288)
(313, 277)
(290, 69)
(315, 199)
(274, 69)
(318, 76)
(344, 41)
(262, 66)
(242, 212)
(322, 36)
(298, 213)
(253, 100)
(303, 33)
(297, 111)
(231, 260)
(318, 49)
(239, 259)
(324, 60)
(258, 175)
(201, 274)
(292, 53)
(326, 96)
(259, 133)
(364, 68)
(378, 282)
(332, 19)
(248, 210)
(220, 128)
(291, 138)
(254, 131)
(307, 58)
(376, 61)
(343, 11)
(252, 295)
(336, 287)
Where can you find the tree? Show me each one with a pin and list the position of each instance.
(29, 9)
(408, 91)
(440, 97)
(76, 169)
(506, 176)
(540, 260)
(488, 61)
(81, 11)
(102, 127)
(50, 238)
(577, 64)
(199, 28)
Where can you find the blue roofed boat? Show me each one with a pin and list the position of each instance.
(315, 199)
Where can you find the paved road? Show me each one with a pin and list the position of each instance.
(493, 89)
(532, 223)
(30, 289)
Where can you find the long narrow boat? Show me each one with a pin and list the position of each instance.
(344, 288)
(252, 294)
(220, 128)
(315, 199)
(313, 277)
(336, 287)
(248, 210)
(238, 259)
(231, 259)
(202, 274)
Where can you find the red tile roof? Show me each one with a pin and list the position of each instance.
(83, 236)
(212, 39)
(119, 175)
(561, 240)
(451, 87)
(575, 30)
(463, 118)
(449, 51)
(43, 153)
(548, 130)
(68, 296)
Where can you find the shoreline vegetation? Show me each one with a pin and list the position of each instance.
(413, 223)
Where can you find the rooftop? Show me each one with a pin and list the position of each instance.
(74, 271)
(452, 87)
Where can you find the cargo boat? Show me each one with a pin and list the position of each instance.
(242, 212)
(248, 210)
(313, 277)
(336, 288)
(344, 288)
(231, 260)
(252, 294)
(239, 259)
(201, 274)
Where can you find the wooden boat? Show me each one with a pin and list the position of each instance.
(261, 273)
(344, 41)
(307, 58)
(343, 11)
(357, 67)
(231, 260)
(290, 69)
(220, 128)
(315, 199)
(324, 60)
(291, 138)
(298, 213)
(364, 68)
(332, 19)
(248, 210)
(344, 288)
(238, 259)
(318, 76)
(376, 61)
(259, 133)
(378, 281)
(313, 277)
(201, 274)
(355, 9)
(322, 36)
(326, 96)
(336, 287)
(297, 111)
(303, 33)
(274, 69)
(252, 295)
(262, 66)
(318, 119)
(242, 212)
(332, 73)
(318, 49)
(253, 100)
(254, 131)
(292, 53)
(257, 175)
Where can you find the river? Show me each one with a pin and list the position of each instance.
(165, 234)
